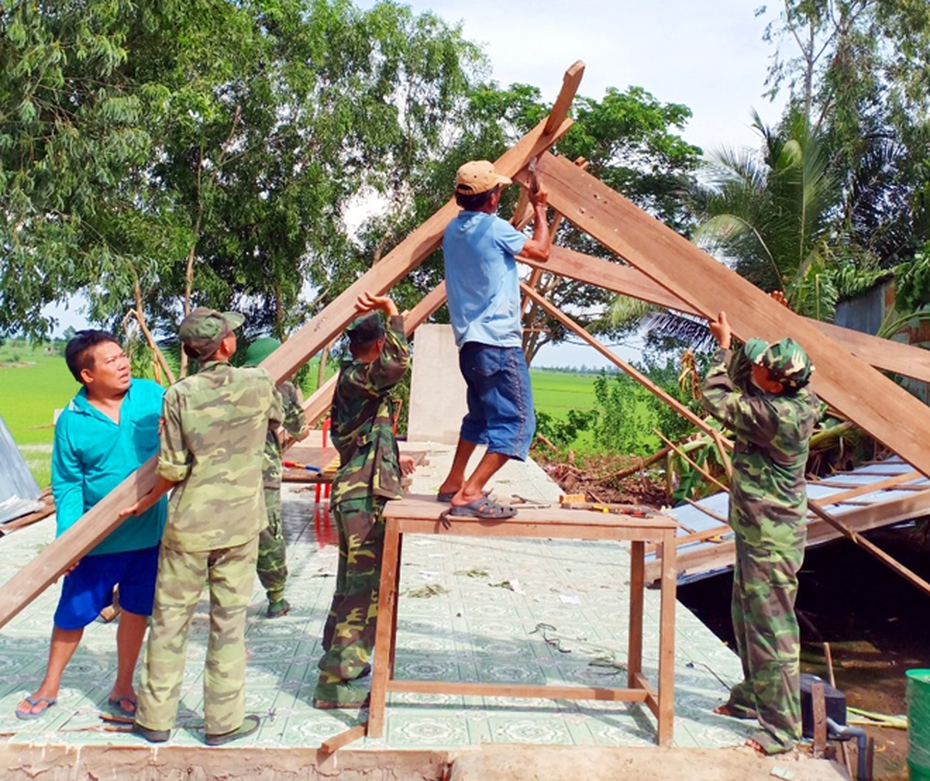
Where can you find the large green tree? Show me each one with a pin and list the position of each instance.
(157, 155)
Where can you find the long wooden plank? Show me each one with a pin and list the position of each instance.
(869, 547)
(846, 382)
(98, 522)
(419, 245)
(887, 354)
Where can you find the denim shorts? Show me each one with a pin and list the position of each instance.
(89, 589)
(500, 399)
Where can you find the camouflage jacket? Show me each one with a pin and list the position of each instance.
(362, 426)
(212, 442)
(768, 499)
(294, 423)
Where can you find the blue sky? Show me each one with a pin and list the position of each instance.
(706, 54)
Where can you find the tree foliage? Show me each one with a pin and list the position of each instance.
(163, 155)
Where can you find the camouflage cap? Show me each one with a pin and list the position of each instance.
(754, 348)
(365, 329)
(203, 330)
(787, 363)
(259, 350)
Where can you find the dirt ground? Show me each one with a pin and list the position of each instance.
(555, 763)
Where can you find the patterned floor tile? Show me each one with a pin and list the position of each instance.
(508, 611)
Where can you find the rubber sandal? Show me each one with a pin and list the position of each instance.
(115, 706)
(485, 509)
(29, 714)
(734, 712)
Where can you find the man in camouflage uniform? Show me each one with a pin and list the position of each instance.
(272, 549)
(212, 440)
(772, 419)
(370, 475)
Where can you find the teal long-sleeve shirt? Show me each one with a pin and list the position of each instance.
(92, 455)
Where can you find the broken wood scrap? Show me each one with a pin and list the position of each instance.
(336, 742)
(707, 475)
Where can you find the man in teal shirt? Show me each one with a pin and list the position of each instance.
(109, 429)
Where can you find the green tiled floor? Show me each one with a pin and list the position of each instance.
(521, 611)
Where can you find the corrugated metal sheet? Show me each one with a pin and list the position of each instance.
(706, 544)
(19, 492)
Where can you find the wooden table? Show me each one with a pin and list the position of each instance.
(421, 515)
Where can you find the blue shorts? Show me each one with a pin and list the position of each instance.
(500, 399)
(89, 589)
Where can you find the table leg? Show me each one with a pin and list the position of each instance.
(637, 584)
(668, 584)
(400, 553)
(385, 636)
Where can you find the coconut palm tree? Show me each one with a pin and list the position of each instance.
(774, 216)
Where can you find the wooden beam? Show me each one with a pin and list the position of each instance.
(846, 382)
(570, 83)
(887, 354)
(556, 313)
(102, 519)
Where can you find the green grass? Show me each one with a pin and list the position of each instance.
(558, 392)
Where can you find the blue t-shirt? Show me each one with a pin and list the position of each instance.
(92, 455)
(482, 283)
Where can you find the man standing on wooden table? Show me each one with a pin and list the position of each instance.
(483, 288)
(272, 548)
(212, 443)
(369, 476)
(772, 426)
(109, 430)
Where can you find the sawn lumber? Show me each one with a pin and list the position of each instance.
(887, 354)
(100, 520)
(862, 394)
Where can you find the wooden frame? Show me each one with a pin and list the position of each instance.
(421, 515)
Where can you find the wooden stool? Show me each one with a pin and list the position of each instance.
(421, 515)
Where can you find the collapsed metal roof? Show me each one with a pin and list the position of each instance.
(19, 492)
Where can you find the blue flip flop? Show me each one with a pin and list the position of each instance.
(25, 715)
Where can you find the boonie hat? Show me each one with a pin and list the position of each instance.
(476, 177)
(787, 363)
(365, 329)
(204, 328)
(260, 349)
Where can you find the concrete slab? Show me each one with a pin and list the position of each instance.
(437, 390)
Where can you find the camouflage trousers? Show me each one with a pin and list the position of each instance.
(349, 634)
(272, 558)
(230, 575)
(765, 585)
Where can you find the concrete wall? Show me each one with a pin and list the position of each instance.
(437, 390)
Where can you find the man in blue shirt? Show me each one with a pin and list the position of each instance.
(483, 289)
(109, 429)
